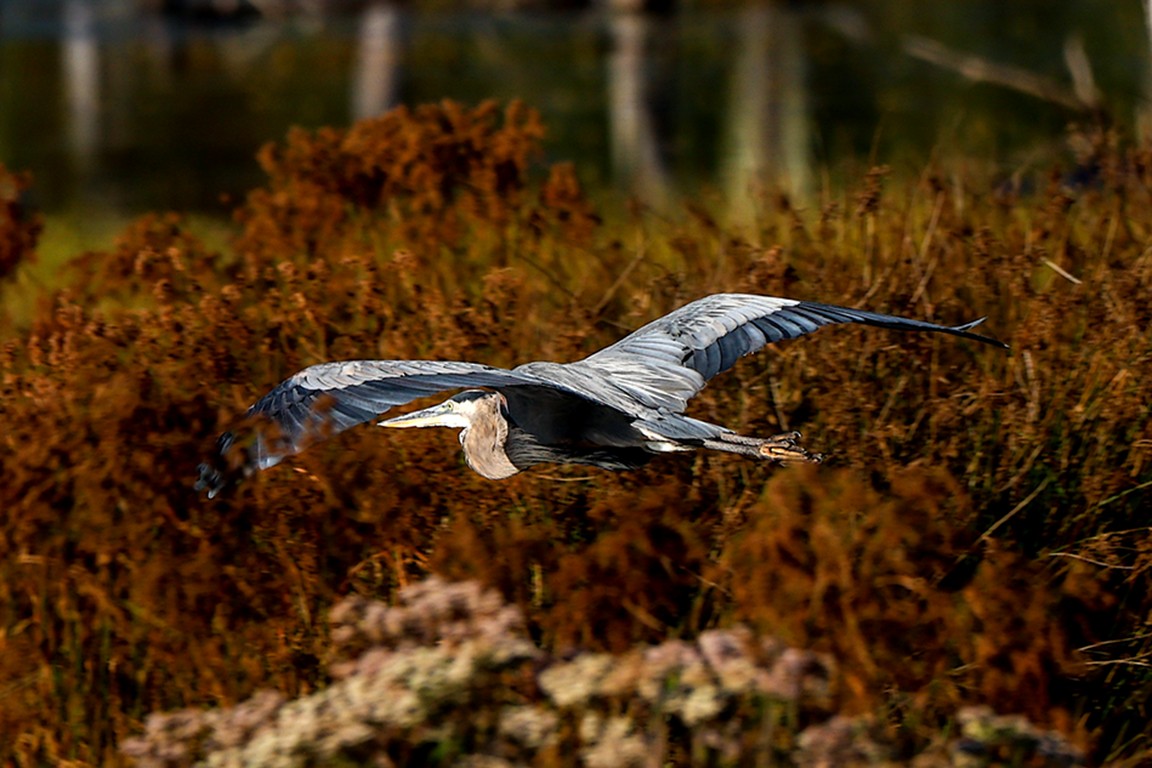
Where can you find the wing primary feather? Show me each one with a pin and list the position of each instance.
(788, 329)
(712, 360)
(770, 331)
(731, 348)
(797, 317)
(967, 326)
(291, 422)
(900, 323)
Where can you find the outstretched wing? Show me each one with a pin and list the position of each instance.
(670, 359)
(326, 399)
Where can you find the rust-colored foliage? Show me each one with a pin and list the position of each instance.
(154, 259)
(436, 174)
(981, 518)
(876, 579)
(19, 226)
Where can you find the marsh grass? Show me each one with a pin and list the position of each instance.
(979, 535)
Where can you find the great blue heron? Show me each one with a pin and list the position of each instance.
(613, 409)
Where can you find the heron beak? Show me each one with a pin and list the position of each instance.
(439, 415)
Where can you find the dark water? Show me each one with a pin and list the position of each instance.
(117, 108)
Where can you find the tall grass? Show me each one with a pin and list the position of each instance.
(978, 536)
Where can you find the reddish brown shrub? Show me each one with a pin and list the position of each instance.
(20, 226)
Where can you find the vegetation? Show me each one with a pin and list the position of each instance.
(979, 536)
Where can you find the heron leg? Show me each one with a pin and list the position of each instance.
(784, 447)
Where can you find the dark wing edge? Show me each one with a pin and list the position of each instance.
(845, 315)
(326, 399)
(670, 359)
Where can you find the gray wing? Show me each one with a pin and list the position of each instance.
(326, 399)
(669, 360)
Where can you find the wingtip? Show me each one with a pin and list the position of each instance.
(214, 475)
(967, 327)
(210, 479)
(971, 325)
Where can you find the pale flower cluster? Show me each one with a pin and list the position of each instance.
(398, 669)
(450, 674)
(694, 682)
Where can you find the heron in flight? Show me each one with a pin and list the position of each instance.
(614, 409)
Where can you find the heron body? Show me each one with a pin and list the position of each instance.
(614, 409)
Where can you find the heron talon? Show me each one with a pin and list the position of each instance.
(784, 438)
(784, 449)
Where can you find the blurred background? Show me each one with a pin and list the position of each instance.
(124, 106)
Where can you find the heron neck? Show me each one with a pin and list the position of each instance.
(484, 450)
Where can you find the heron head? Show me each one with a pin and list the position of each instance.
(459, 411)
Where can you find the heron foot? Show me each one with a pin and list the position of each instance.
(786, 448)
